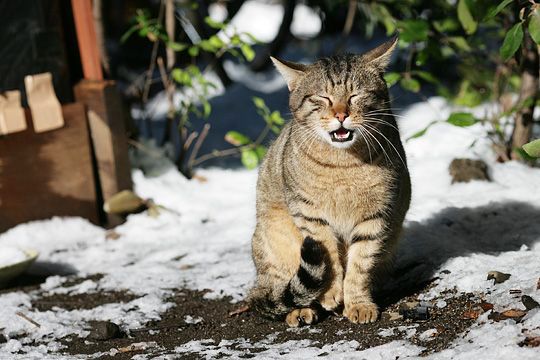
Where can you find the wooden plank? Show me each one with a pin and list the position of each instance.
(48, 174)
(86, 37)
(107, 129)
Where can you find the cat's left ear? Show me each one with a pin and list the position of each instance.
(381, 55)
(290, 71)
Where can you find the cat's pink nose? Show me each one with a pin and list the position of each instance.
(341, 116)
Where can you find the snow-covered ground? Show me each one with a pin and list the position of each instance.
(204, 243)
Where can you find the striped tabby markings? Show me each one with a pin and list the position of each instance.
(319, 221)
(328, 165)
(369, 230)
(359, 306)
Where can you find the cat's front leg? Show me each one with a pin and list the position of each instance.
(319, 230)
(363, 252)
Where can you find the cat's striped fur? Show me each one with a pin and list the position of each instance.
(330, 202)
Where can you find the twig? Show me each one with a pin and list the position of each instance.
(232, 151)
(197, 146)
(351, 12)
(349, 21)
(152, 59)
(18, 313)
(142, 147)
(169, 89)
(190, 139)
(240, 310)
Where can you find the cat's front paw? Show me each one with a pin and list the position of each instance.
(332, 299)
(361, 313)
(297, 317)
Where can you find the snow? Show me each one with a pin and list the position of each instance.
(204, 243)
(10, 256)
(262, 19)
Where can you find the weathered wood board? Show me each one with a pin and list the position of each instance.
(48, 174)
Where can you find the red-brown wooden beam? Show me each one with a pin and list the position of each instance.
(86, 37)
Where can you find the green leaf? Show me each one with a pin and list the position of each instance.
(237, 139)
(249, 158)
(534, 25)
(193, 51)
(207, 46)
(523, 154)
(410, 84)
(259, 103)
(207, 109)
(214, 24)
(391, 78)
(261, 152)
(385, 17)
(418, 134)
(177, 46)
(446, 25)
(512, 41)
(181, 77)
(216, 41)
(276, 118)
(491, 14)
(421, 132)
(424, 75)
(533, 148)
(465, 17)
(413, 30)
(247, 51)
(461, 119)
(468, 95)
(459, 42)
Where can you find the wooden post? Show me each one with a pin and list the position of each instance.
(106, 120)
(105, 111)
(86, 37)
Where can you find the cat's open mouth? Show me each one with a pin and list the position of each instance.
(341, 135)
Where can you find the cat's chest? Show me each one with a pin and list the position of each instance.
(352, 192)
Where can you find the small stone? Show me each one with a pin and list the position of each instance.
(465, 170)
(486, 306)
(471, 314)
(392, 316)
(104, 330)
(499, 277)
(513, 314)
(413, 311)
(112, 235)
(441, 304)
(531, 341)
(3, 339)
(529, 302)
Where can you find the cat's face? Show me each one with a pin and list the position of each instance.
(339, 99)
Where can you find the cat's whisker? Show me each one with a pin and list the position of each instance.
(367, 144)
(377, 121)
(389, 142)
(378, 142)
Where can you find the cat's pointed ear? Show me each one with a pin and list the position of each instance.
(381, 55)
(289, 70)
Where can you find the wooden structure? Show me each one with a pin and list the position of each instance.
(48, 174)
(71, 170)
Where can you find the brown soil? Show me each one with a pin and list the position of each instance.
(172, 330)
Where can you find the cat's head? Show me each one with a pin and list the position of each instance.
(341, 97)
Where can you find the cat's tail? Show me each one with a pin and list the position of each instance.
(308, 284)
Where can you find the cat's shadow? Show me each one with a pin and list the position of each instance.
(427, 245)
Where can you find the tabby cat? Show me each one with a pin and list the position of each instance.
(332, 192)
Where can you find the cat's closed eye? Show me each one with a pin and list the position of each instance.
(352, 98)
